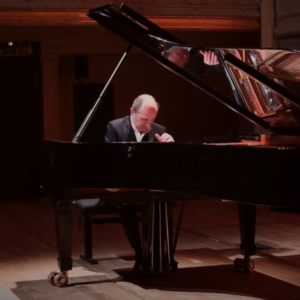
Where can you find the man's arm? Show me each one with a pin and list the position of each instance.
(160, 133)
(209, 57)
(164, 138)
(211, 64)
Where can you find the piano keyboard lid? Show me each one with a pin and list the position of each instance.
(263, 84)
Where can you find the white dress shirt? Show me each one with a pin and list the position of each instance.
(139, 136)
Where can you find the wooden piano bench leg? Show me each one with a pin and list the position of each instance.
(88, 242)
(87, 208)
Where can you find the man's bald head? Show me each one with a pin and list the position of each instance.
(177, 55)
(143, 112)
(145, 101)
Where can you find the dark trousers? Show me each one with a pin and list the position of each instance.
(130, 222)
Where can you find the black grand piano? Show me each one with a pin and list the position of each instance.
(256, 169)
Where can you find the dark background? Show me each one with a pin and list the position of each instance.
(21, 123)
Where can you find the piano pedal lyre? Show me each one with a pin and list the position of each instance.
(158, 252)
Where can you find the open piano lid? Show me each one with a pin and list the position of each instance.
(264, 83)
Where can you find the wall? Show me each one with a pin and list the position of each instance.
(187, 112)
(287, 24)
(21, 124)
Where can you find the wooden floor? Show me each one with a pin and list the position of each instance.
(207, 246)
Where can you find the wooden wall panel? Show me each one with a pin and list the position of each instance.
(287, 25)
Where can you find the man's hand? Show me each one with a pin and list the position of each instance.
(210, 58)
(165, 137)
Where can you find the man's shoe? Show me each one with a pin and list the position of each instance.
(174, 265)
(139, 266)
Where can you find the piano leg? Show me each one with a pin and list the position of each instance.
(247, 221)
(64, 225)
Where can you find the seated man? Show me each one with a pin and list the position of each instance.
(138, 126)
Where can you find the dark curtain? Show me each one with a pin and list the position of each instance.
(21, 124)
(85, 95)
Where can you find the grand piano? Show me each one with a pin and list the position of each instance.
(256, 169)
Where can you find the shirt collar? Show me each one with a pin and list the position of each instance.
(138, 135)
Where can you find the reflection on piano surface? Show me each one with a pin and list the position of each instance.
(256, 170)
(282, 66)
(278, 65)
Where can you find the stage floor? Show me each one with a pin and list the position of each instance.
(207, 245)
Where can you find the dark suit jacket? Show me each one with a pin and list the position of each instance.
(120, 130)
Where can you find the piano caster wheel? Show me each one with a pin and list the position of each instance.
(51, 277)
(243, 265)
(250, 265)
(58, 279)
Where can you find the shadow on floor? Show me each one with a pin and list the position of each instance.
(221, 279)
(215, 279)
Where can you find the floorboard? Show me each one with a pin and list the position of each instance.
(207, 245)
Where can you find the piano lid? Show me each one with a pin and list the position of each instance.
(263, 83)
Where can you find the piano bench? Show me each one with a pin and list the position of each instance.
(88, 207)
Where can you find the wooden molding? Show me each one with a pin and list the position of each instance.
(42, 17)
(78, 17)
(208, 23)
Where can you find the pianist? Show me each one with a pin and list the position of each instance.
(138, 126)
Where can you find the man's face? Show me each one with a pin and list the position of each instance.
(178, 55)
(143, 118)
